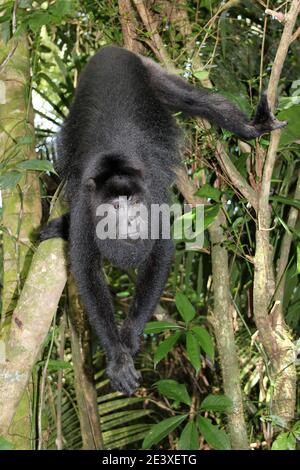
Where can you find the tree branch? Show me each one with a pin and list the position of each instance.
(274, 338)
(30, 324)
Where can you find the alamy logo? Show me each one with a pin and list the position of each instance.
(125, 219)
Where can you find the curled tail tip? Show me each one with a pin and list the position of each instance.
(279, 124)
(264, 120)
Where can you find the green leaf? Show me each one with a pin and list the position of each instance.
(161, 430)
(286, 200)
(38, 19)
(5, 32)
(220, 403)
(184, 307)
(24, 4)
(62, 8)
(214, 436)
(54, 364)
(210, 213)
(201, 75)
(296, 427)
(10, 180)
(159, 326)
(25, 140)
(193, 350)
(298, 258)
(205, 340)
(37, 165)
(210, 192)
(165, 347)
(279, 422)
(5, 18)
(290, 133)
(189, 438)
(174, 390)
(5, 445)
(284, 441)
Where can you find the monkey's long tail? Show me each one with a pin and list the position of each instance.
(178, 95)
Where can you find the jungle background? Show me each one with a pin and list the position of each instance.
(219, 358)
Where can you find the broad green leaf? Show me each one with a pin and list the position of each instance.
(189, 438)
(37, 165)
(205, 340)
(184, 307)
(220, 403)
(210, 192)
(39, 19)
(161, 430)
(290, 133)
(174, 390)
(165, 347)
(10, 180)
(5, 445)
(193, 350)
(285, 441)
(159, 326)
(214, 436)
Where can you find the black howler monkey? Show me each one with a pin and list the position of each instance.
(120, 139)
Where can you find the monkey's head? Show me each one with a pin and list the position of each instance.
(119, 200)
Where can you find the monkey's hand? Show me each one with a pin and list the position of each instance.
(122, 373)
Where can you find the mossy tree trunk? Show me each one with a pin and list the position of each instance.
(21, 213)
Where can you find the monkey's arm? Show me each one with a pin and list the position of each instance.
(152, 277)
(96, 298)
(179, 95)
(56, 228)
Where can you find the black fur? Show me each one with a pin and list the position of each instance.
(56, 228)
(121, 139)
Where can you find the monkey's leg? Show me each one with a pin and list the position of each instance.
(56, 228)
(151, 280)
(91, 285)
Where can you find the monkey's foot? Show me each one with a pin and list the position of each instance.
(122, 373)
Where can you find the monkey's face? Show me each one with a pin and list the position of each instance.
(120, 203)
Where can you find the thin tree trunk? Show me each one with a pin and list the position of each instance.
(268, 314)
(224, 332)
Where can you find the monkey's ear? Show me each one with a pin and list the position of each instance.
(90, 184)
